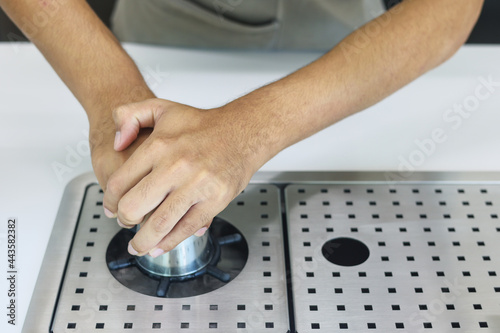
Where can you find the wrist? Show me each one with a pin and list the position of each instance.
(102, 128)
(100, 109)
(256, 136)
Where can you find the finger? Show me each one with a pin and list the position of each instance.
(162, 221)
(144, 197)
(130, 118)
(202, 231)
(199, 217)
(127, 176)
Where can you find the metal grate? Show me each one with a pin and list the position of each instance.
(433, 262)
(92, 299)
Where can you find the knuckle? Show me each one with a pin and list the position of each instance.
(191, 226)
(185, 166)
(126, 213)
(219, 192)
(158, 144)
(177, 202)
(118, 111)
(161, 224)
(206, 219)
(113, 186)
(207, 186)
(145, 187)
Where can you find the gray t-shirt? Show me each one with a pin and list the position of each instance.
(242, 24)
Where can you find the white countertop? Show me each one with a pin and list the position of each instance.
(41, 124)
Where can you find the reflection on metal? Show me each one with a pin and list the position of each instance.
(432, 263)
(190, 256)
(229, 253)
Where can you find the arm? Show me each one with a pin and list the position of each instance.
(191, 169)
(367, 66)
(89, 60)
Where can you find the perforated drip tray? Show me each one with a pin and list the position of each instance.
(92, 298)
(433, 260)
(327, 252)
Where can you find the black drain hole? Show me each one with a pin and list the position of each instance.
(345, 251)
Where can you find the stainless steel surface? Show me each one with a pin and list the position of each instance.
(231, 261)
(375, 177)
(438, 259)
(186, 258)
(91, 298)
(44, 299)
(433, 264)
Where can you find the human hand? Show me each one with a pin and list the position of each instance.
(106, 160)
(189, 169)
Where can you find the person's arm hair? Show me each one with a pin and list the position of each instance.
(83, 52)
(370, 64)
(196, 161)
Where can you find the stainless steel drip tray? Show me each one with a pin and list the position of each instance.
(366, 253)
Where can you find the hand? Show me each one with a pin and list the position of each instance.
(193, 164)
(106, 160)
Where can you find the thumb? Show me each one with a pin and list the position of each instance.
(130, 118)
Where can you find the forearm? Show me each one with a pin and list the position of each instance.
(83, 52)
(367, 66)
